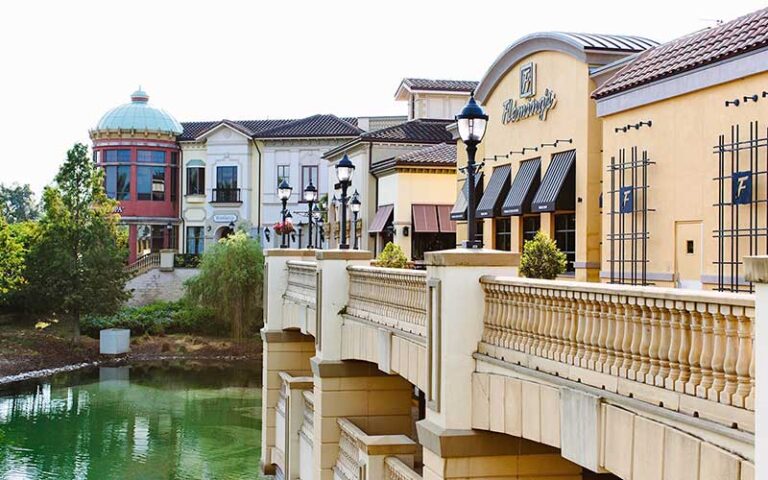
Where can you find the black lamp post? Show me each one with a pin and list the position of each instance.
(310, 196)
(344, 171)
(300, 233)
(471, 122)
(169, 229)
(316, 216)
(284, 193)
(354, 205)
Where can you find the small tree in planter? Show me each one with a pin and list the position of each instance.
(541, 258)
(392, 257)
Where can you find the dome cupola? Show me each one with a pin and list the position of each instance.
(140, 116)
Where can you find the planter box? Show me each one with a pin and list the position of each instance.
(114, 341)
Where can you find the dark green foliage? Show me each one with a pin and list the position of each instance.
(11, 261)
(17, 203)
(541, 258)
(230, 284)
(154, 319)
(186, 260)
(76, 266)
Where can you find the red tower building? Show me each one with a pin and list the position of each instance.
(136, 145)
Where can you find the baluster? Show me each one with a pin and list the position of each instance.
(654, 341)
(707, 349)
(535, 321)
(487, 335)
(565, 320)
(664, 342)
(749, 403)
(561, 326)
(504, 317)
(602, 318)
(694, 356)
(542, 326)
(618, 339)
(719, 341)
(551, 323)
(528, 320)
(519, 315)
(594, 341)
(626, 341)
(580, 329)
(637, 337)
(731, 356)
(510, 334)
(645, 340)
(744, 386)
(674, 346)
(610, 333)
(685, 345)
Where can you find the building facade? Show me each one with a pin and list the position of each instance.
(136, 145)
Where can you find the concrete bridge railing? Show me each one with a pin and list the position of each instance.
(671, 347)
(364, 457)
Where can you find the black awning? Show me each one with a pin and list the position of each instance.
(524, 186)
(558, 188)
(498, 186)
(459, 211)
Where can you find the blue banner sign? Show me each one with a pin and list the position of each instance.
(741, 187)
(626, 199)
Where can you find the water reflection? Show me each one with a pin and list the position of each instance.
(154, 421)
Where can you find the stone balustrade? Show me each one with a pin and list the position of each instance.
(363, 456)
(302, 282)
(392, 297)
(693, 343)
(396, 469)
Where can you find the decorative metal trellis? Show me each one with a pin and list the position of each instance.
(741, 207)
(629, 217)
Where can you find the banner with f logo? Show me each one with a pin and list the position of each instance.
(741, 186)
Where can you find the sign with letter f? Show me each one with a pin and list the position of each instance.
(741, 188)
(626, 199)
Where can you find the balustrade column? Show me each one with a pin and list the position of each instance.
(707, 350)
(655, 341)
(618, 339)
(744, 358)
(674, 346)
(719, 341)
(602, 339)
(694, 356)
(637, 336)
(731, 356)
(645, 341)
(610, 334)
(626, 342)
(594, 334)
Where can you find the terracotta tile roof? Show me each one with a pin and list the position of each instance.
(314, 126)
(692, 51)
(442, 154)
(443, 85)
(415, 131)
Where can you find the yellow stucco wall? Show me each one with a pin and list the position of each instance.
(572, 117)
(403, 189)
(682, 188)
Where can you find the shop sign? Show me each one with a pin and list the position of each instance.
(627, 199)
(540, 107)
(741, 186)
(225, 218)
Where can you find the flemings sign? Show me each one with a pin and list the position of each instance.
(540, 107)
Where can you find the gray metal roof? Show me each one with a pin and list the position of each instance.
(600, 41)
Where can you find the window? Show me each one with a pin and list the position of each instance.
(226, 177)
(689, 247)
(565, 236)
(195, 240)
(531, 226)
(195, 180)
(174, 158)
(158, 183)
(283, 173)
(503, 229)
(118, 182)
(174, 183)
(117, 156)
(150, 156)
(308, 173)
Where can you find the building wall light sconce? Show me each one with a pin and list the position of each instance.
(406, 230)
(747, 98)
(735, 102)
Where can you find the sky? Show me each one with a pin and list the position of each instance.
(63, 64)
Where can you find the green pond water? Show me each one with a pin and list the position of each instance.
(147, 421)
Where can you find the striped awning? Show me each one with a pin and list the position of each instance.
(498, 186)
(381, 218)
(558, 188)
(524, 185)
(459, 211)
(425, 219)
(444, 219)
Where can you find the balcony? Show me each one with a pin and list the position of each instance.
(226, 195)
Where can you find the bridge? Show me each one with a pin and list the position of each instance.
(468, 371)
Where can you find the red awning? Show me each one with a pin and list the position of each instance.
(425, 219)
(444, 215)
(381, 218)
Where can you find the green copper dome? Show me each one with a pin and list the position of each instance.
(140, 116)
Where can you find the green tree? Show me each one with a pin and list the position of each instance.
(230, 283)
(392, 257)
(76, 266)
(18, 203)
(541, 258)
(11, 261)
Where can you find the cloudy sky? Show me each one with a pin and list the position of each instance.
(64, 63)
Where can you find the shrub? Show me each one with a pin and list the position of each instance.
(392, 257)
(541, 258)
(155, 319)
(186, 260)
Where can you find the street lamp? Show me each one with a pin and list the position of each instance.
(316, 215)
(169, 229)
(354, 205)
(310, 196)
(344, 171)
(471, 122)
(284, 193)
